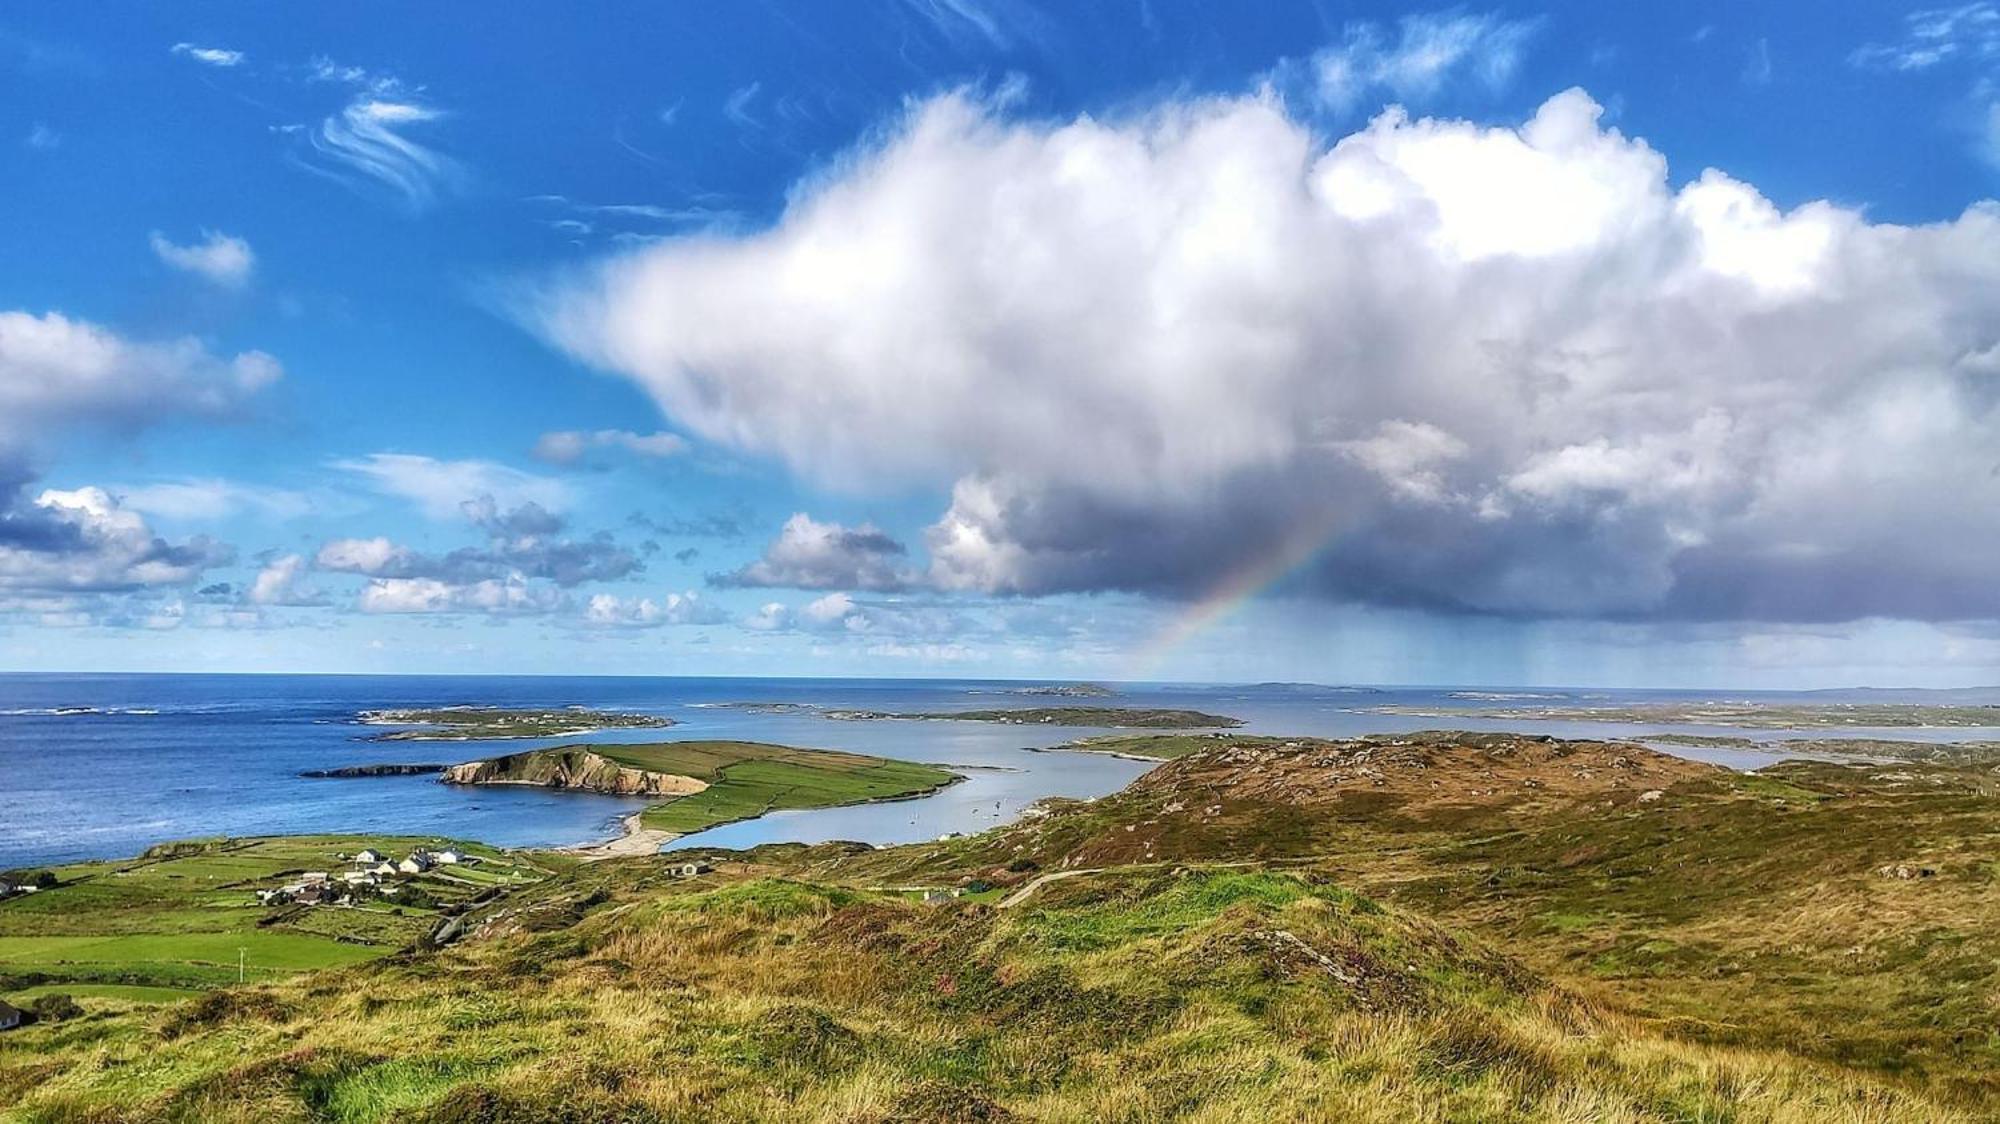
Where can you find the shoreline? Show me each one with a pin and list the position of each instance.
(632, 840)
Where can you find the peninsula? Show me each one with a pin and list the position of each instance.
(704, 784)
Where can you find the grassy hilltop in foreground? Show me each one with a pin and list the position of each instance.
(1431, 928)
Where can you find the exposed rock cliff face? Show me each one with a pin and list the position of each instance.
(572, 768)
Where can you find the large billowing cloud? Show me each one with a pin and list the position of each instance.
(1481, 369)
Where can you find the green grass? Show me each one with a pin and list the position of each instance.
(130, 993)
(1208, 995)
(1229, 943)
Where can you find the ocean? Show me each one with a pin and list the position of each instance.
(104, 766)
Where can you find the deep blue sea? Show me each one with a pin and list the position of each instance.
(102, 766)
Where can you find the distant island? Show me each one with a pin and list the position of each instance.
(1109, 717)
(1106, 717)
(1755, 715)
(1067, 690)
(1877, 749)
(482, 723)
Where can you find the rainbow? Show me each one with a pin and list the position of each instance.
(1260, 573)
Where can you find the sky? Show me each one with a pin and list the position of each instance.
(1582, 344)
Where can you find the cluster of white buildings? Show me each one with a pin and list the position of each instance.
(372, 871)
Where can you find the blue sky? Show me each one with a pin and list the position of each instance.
(1635, 345)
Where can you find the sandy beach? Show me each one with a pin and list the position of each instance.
(632, 840)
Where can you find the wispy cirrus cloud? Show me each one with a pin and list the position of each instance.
(1968, 33)
(450, 490)
(1415, 60)
(368, 144)
(211, 498)
(569, 446)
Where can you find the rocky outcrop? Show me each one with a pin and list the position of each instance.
(572, 769)
(388, 770)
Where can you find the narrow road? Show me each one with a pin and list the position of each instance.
(1022, 894)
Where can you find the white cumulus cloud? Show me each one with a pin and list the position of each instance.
(1495, 369)
(58, 372)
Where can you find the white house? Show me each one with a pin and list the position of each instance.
(383, 870)
(312, 876)
(368, 856)
(448, 856)
(415, 864)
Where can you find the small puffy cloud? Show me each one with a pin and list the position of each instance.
(81, 540)
(772, 616)
(1418, 58)
(606, 610)
(211, 56)
(513, 595)
(281, 582)
(444, 489)
(377, 556)
(808, 554)
(57, 372)
(218, 257)
(568, 446)
(530, 519)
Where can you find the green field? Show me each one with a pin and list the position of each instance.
(748, 779)
(182, 918)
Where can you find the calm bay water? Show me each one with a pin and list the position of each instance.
(101, 766)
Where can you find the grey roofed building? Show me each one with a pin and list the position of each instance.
(10, 1016)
